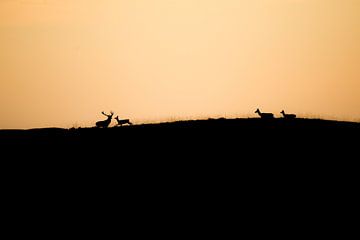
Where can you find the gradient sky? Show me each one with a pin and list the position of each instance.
(62, 62)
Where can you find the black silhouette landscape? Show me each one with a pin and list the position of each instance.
(212, 135)
(260, 155)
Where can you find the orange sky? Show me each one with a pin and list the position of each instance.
(62, 62)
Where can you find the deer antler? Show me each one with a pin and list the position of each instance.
(111, 114)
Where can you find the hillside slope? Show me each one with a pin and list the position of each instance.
(212, 132)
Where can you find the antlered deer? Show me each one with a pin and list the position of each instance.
(105, 123)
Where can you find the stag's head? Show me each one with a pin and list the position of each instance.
(257, 111)
(109, 116)
(283, 112)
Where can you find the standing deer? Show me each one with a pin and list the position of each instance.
(265, 115)
(122, 122)
(288, 116)
(105, 123)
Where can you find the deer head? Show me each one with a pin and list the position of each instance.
(109, 116)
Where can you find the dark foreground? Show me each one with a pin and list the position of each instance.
(202, 138)
(215, 170)
(248, 149)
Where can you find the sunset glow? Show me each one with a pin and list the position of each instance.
(62, 62)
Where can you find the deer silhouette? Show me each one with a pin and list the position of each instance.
(105, 123)
(288, 116)
(122, 121)
(264, 115)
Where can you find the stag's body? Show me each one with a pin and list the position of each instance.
(105, 123)
(122, 121)
(288, 116)
(265, 115)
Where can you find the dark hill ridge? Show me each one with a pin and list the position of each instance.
(253, 124)
(223, 153)
(213, 131)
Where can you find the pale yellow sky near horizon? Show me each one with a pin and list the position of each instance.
(62, 62)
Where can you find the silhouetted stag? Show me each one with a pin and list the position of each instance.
(105, 123)
(122, 121)
(264, 115)
(288, 116)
